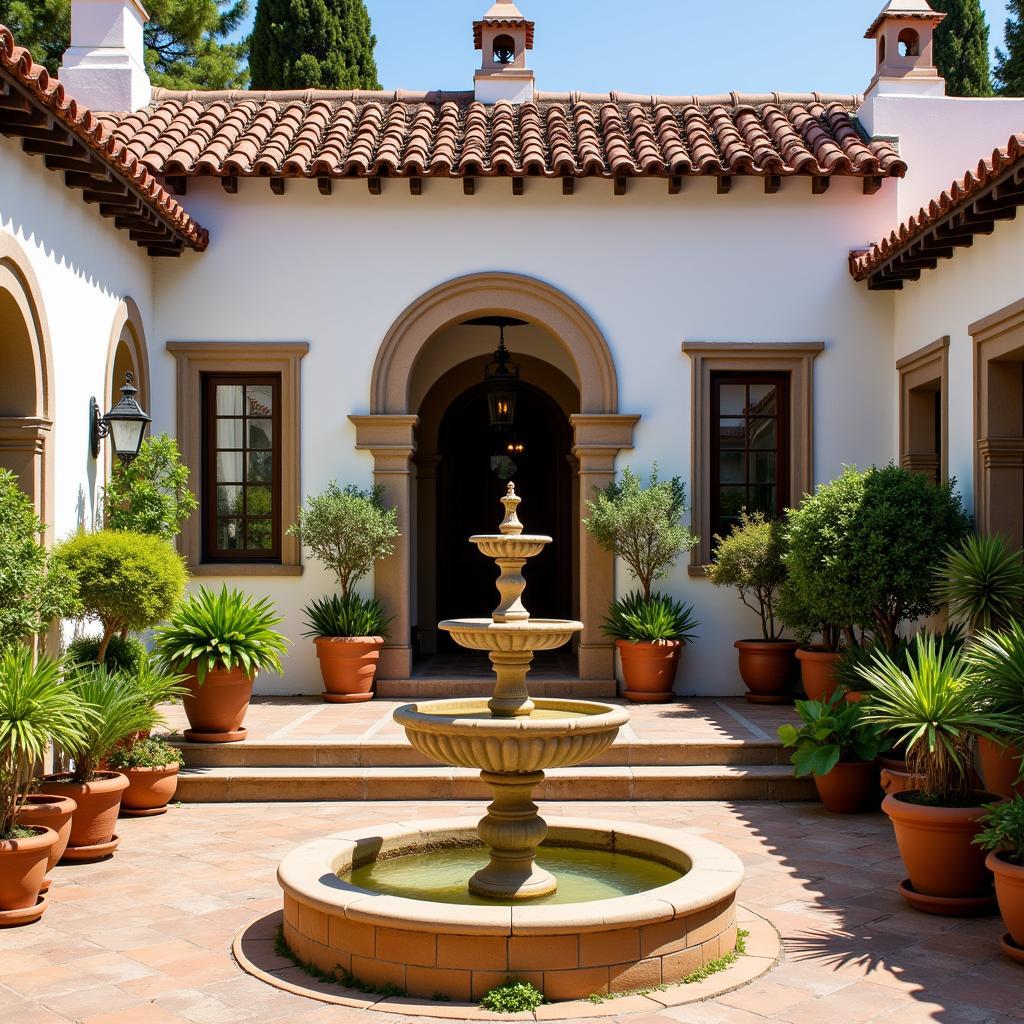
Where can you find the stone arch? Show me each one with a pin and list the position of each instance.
(26, 386)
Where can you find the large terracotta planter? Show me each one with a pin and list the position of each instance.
(149, 791)
(850, 788)
(22, 868)
(818, 673)
(217, 709)
(649, 669)
(50, 812)
(768, 667)
(95, 818)
(1000, 767)
(1010, 894)
(947, 871)
(349, 666)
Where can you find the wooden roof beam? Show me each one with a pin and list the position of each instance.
(772, 184)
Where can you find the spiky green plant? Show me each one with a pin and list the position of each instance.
(997, 660)
(351, 616)
(156, 683)
(982, 581)
(660, 617)
(36, 709)
(227, 630)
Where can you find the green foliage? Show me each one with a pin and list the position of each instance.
(961, 48)
(124, 653)
(348, 529)
(151, 494)
(752, 559)
(833, 731)
(642, 525)
(43, 26)
(513, 997)
(34, 588)
(862, 654)
(226, 630)
(1009, 74)
(129, 581)
(313, 44)
(982, 581)
(150, 753)
(36, 709)
(997, 661)
(640, 619)
(1004, 830)
(932, 709)
(351, 616)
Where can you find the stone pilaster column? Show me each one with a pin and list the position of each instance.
(1001, 485)
(426, 547)
(23, 450)
(598, 441)
(391, 440)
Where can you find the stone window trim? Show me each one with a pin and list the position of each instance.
(709, 357)
(927, 367)
(196, 358)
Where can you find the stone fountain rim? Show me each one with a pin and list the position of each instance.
(515, 538)
(713, 874)
(485, 625)
(603, 718)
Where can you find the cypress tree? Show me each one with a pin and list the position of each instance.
(1010, 62)
(961, 48)
(312, 44)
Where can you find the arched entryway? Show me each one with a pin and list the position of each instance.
(406, 372)
(126, 353)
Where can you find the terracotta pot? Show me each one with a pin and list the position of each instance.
(768, 667)
(1010, 894)
(937, 849)
(149, 789)
(1000, 767)
(855, 696)
(22, 868)
(217, 709)
(95, 817)
(818, 673)
(649, 669)
(896, 781)
(348, 665)
(50, 812)
(850, 788)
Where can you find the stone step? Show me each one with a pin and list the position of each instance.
(687, 782)
(483, 686)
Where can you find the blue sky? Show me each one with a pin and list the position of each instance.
(647, 46)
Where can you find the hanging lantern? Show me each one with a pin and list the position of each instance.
(501, 374)
(125, 424)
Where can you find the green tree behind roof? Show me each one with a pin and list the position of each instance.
(961, 48)
(1010, 62)
(313, 44)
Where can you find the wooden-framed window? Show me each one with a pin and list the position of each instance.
(749, 457)
(924, 400)
(241, 497)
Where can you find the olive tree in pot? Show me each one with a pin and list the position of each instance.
(1003, 837)
(751, 560)
(347, 529)
(220, 641)
(930, 704)
(36, 709)
(839, 749)
(643, 526)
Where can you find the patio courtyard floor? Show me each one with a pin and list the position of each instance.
(145, 937)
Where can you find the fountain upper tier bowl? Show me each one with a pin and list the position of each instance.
(510, 545)
(511, 637)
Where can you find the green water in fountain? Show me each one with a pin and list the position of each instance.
(440, 876)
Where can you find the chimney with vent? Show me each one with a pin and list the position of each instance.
(104, 67)
(504, 36)
(904, 50)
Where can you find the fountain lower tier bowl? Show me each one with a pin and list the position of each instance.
(460, 950)
(522, 637)
(556, 734)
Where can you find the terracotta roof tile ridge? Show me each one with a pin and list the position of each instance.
(728, 99)
(309, 96)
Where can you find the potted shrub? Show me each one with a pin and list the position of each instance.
(930, 705)
(1003, 837)
(124, 653)
(839, 749)
(151, 767)
(347, 529)
(751, 559)
(998, 662)
(981, 581)
(36, 709)
(643, 526)
(220, 641)
(116, 710)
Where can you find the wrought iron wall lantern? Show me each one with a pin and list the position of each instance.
(501, 373)
(125, 424)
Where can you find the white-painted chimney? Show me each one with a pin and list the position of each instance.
(104, 67)
(504, 35)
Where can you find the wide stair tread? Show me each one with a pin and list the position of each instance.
(428, 688)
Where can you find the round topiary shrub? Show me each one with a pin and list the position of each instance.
(124, 653)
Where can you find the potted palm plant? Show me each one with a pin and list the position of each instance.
(643, 526)
(751, 560)
(36, 709)
(1003, 837)
(981, 581)
(931, 707)
(348, 530)
(220, 641)
(839, 749)
(116, 711)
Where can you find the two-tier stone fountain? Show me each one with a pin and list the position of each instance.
(452, 908)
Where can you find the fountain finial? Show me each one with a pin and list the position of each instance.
(510, 525)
